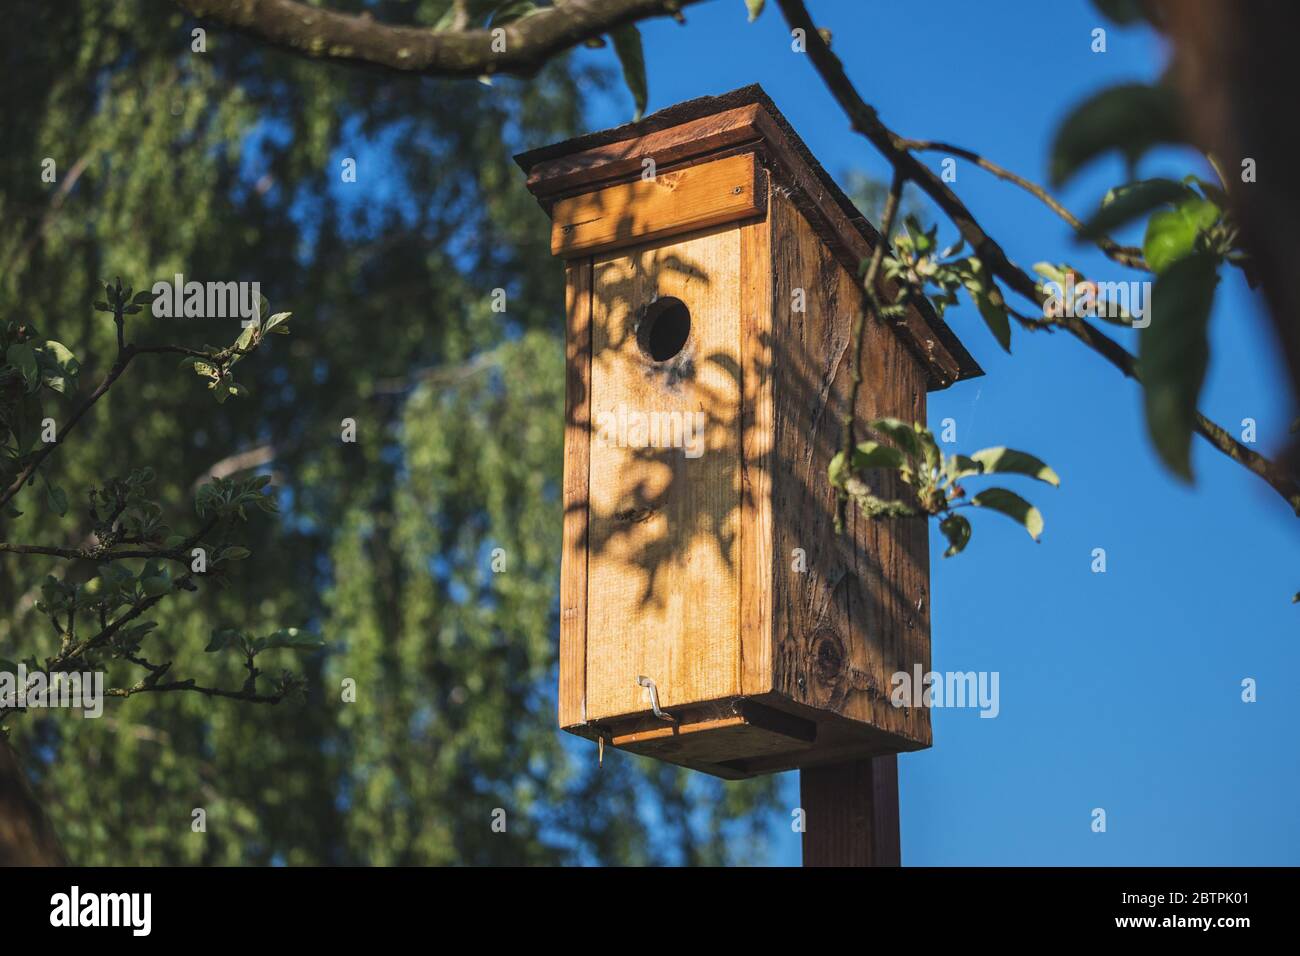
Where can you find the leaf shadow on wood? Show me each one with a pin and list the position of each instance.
(847, 583)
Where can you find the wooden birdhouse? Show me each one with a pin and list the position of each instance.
(710, 616)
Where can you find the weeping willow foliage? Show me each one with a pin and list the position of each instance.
(424, 553)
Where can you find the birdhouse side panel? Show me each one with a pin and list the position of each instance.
(664, 473)
(849, 610)
(577, 448)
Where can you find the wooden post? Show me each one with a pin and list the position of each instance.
(851, 813)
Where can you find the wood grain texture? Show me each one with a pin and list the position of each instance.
(577, 444)
(756, 521)
(859, 611)
(943, 358)
(589, 168)
(851, 813)
(673, 203)
(663, 571)
(718, 738)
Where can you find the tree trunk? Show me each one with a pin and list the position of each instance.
(26, 837)
(1234, 64)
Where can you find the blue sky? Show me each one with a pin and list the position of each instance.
(1119, 690)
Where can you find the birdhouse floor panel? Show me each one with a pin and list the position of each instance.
(712, 736)
(742, 737)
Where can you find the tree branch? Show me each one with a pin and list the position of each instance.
(119, 366)
(529, 41)
(859, 327)
(146, 688)
(865, 120)
(1124, 255)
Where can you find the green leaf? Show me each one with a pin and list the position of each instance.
(1126, 203)
(755, 7)
(233, 553)
(1172, 235)
(447, 20)
(1004, 461)
(1013, 506)
(512, 10)
(276, 323)
(957, 530)
(627, 44)
(24, 420)
(21, 356)
(58, 500)
(995, 317)
(929, 448)
(1131, 118)
(1050, 272)
(224, 639)
(57, 365)
(62, 356)
(1173, 354)
(115, 575)
(962, 466)
(902, 434)
(872, 454)
(293, 638)
(922, 240)
(156, 585)
(836, 473)
(1211, 191)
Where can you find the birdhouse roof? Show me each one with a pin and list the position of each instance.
(744, 120)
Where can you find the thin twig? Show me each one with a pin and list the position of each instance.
(847, 440)
(865, 120)
(1124, 255)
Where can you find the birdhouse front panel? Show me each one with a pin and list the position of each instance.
(710, 615)
(664, 499)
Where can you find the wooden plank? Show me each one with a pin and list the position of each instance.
(756, 525)
(851, 813)
(577, 444)
(858, 611)
(672, 203)
(591, 167)
(663, 566)
(845, 237)
(720, 744)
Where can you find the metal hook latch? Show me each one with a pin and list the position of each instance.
(647, 683)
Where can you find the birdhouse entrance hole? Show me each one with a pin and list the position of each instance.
(663, 331)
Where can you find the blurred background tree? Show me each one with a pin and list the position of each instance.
(230, 165)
